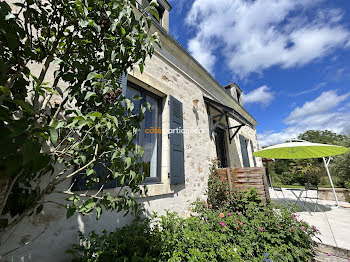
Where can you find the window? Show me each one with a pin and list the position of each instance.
(151, 142)
(244, 150)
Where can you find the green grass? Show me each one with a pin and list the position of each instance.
(288, 186)
(298, 186)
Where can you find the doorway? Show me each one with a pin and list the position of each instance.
(221, 146)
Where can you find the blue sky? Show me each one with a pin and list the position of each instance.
(290, 58)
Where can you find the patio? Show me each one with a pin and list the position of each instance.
(333, 222)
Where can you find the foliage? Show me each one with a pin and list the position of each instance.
(322, 136)
(235, 227)
(340, 165)
(52, 131)
(135, 242)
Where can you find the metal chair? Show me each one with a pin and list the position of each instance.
(313, 199)
(279, 189)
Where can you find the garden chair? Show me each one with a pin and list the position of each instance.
(313, 199)
(279, 189)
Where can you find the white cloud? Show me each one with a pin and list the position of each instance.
(325, 102)
(203, 53)
(255, 35)
(307, 91)
(261, 95)
(319, 114)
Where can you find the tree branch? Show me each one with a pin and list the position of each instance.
(58, 110)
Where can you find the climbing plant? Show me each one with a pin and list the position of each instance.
(62, 109)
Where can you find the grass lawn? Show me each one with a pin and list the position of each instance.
(298, 186)
(288, 186)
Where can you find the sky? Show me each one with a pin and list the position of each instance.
(291, 58)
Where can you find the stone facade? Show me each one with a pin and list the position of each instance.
(171, 71)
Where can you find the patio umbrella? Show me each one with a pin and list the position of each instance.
(299, 149)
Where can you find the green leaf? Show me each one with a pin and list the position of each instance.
(130, 136)
(89, 172)
(154, 3)
(122, 30)
(59, 125)
(85, 23)
(89, 94)
(154, 12)
(5, 91)
(128, 162)
(115, 120)
(114, 155)
(98, 212)
(53, 135)
(141, 68)
(93, 75)
(70, 212)
(95, 114)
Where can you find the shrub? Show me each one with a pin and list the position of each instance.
(234, 225)
(135, 242)
(210, 234)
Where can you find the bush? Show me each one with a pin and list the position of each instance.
(258, 233)
(234, 225)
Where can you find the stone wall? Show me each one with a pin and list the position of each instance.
(343, 194)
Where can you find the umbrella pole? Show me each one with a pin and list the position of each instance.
(330, 179)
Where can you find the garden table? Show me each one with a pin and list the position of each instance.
(299, 198)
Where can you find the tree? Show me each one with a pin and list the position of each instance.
(53, 131)
(340, 166)
(322, 136)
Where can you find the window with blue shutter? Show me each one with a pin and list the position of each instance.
(244, 150)
(177, 165)
(252, 147)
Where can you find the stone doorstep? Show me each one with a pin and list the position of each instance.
(336, 254)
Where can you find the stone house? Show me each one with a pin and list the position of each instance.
(183, 96)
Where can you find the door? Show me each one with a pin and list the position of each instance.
(220, 142)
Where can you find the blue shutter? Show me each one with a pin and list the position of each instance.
(244, 150)
(177, 165)
(251, 146)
